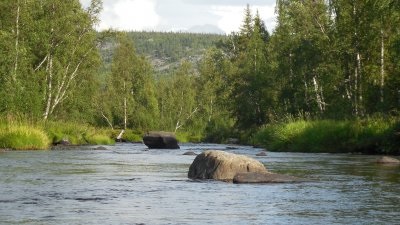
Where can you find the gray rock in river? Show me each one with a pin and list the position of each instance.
(160, 140)
(220, 165)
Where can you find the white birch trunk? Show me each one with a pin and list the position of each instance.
(108, 121)
(305, 90)
(49, 87)
(125, 107)
(356, 91)
(382, 66)
(360, 90)
(179, 124)
(317, 95)
(14, 77)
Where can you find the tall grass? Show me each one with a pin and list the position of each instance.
(366, 136)
(22, 134)
(76, 134)
(18, 137)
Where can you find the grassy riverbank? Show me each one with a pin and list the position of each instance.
(26, 135)
(369, 136)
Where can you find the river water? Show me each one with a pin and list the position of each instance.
(129, 184)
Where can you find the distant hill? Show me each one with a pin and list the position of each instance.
(166, 50)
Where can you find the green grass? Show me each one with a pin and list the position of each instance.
(21, 134)
(186, 137)
(99, 139)
(374, 135)
(77, 134)
(19, 137)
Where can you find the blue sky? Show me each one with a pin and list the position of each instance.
(181, 15)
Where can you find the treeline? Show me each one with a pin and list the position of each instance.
(330, 60)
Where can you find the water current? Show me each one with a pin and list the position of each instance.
(129, 184)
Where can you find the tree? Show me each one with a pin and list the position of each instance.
(132, 88)
(69, 46)
(251, 94)
(177, 99)
(122, 73)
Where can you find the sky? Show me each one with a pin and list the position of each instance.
(211, 16)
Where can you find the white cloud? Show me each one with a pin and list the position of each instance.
(167, 15)
(231, 17)
(129, 15)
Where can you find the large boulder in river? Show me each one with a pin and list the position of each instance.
(160, 140)
(220, 165)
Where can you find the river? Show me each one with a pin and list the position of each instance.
(129, 184)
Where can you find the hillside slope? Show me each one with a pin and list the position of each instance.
(165, 51)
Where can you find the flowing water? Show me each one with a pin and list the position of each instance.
(129, 184)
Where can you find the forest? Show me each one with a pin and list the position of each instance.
(327, 79)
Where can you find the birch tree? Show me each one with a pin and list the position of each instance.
(69, 43)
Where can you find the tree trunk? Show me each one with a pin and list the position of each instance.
(49, 87)
(355, 105)
(14, 77)
(108, 121)
(317, 95)
(382, 66)
(125, 107)
(359, 94)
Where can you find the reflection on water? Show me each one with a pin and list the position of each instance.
(128, 184)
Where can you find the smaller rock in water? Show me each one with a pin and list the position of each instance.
(388, 160)
(261, 154)
(100, 148)
(64, 142)
(189, 153)
(263, 177)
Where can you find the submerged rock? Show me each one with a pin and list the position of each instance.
(388, 160)
(189, 153)
(220, 165)
(261, 154)
(161, 140)
(63, 142)
(263, 177)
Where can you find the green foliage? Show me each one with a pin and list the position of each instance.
(48, 58)
(219, 130)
